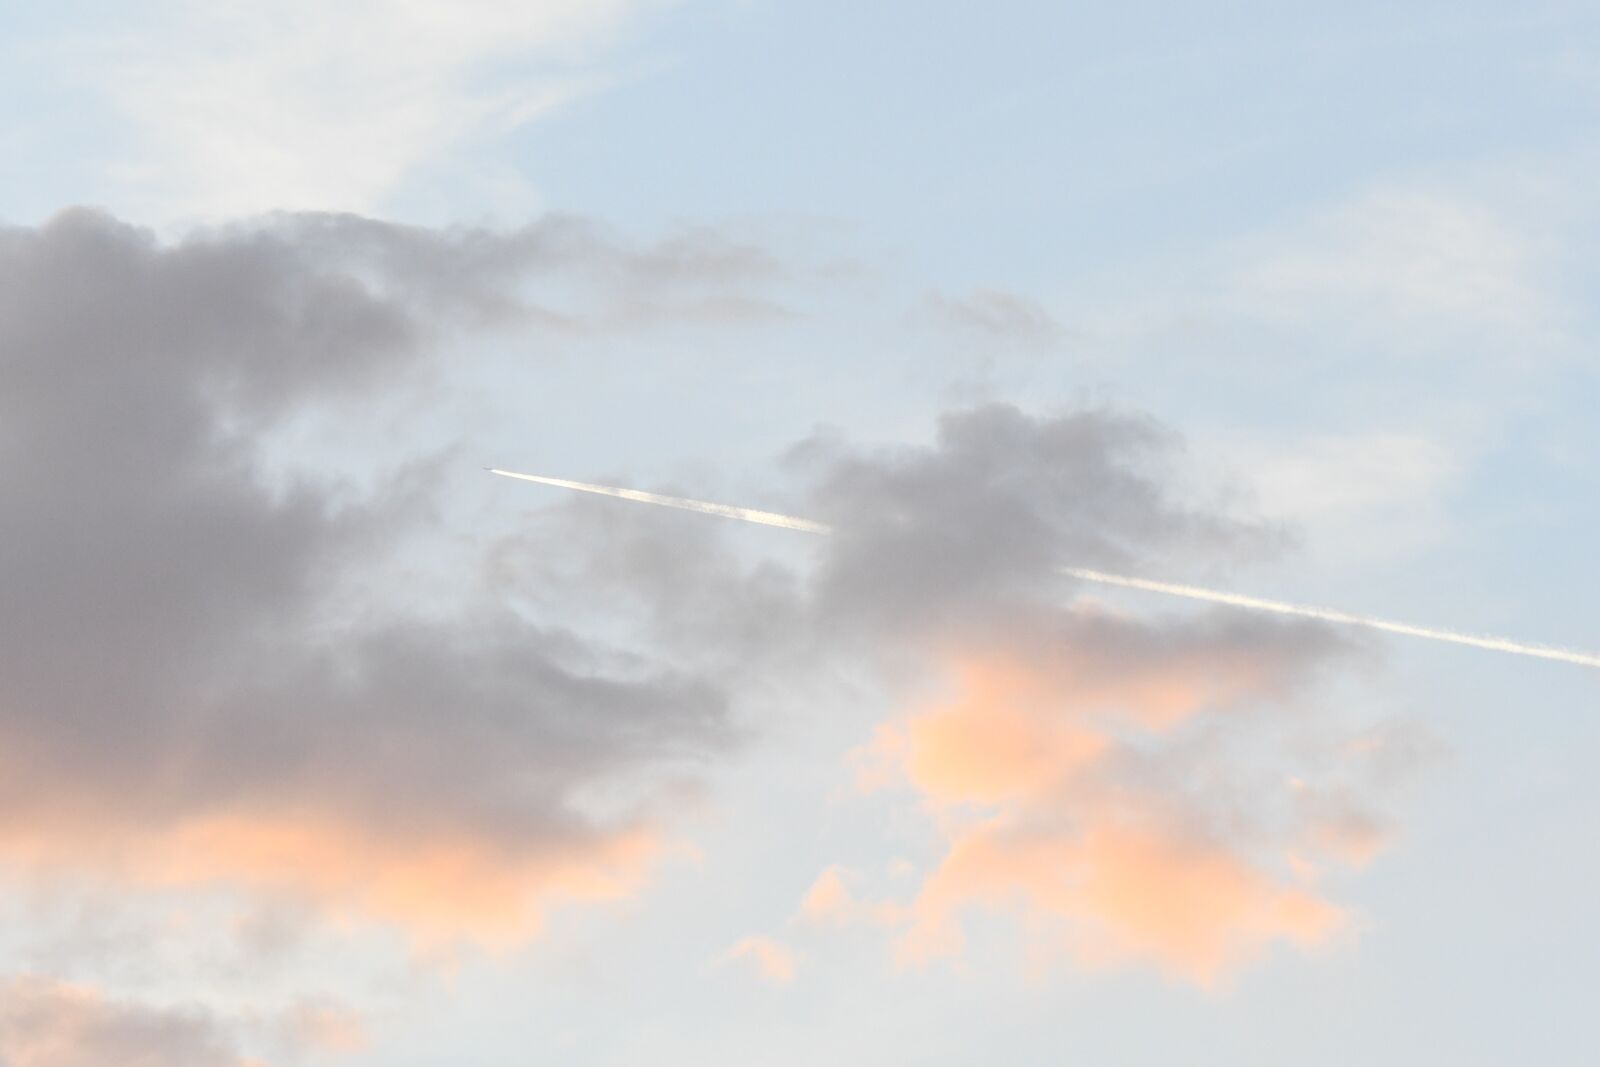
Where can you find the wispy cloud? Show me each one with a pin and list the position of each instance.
(1371, 495)
(830, 901)
(772, 960)
(995, 318)
(242, 109)
(1424, 266)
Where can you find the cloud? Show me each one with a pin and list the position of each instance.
(965, 531)
(995, 317)
(1376, 495)
(773, 960)
(1125, 893)
(1078, 804)
(831, 902)
(318, 106)
(561, 273)
(45, 1023)
(1423, 265)
(1378, 319)
(828, 899)
(1113, 780)
(322, 1027)
(208, 678)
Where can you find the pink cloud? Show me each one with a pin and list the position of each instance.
(773, 960)
(439, 888)
(1074, 803)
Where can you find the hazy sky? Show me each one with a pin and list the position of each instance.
(319, 745)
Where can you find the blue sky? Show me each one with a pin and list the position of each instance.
(1341, 257)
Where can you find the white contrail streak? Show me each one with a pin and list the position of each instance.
(1496, 644)
(1191, 592)
(727, 511)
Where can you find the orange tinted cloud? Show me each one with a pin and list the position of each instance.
(1352, 837)
(996, 739)
(438, 889)
(1197, 909)
(828, 900)
(773, 960)
(45, 1023)
(1056, 806)
(49, 1023)
(324, 1028)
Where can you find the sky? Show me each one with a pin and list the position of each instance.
(319, 745)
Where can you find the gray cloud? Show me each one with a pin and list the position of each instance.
(181, 641)
(49, 1023)
(998, 317)
(195, 675)
(961, 538)
(569, 272)
(984, 516)
(1090, 747)
(44, 1023)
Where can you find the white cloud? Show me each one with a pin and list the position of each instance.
(1367, 495)
(1412, 266)
(1359, 357)
(1383, 281)
(307, 105)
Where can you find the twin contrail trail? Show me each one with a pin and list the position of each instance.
(1191, 592)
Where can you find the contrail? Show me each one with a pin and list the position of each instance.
(727, 511)
(1191, 592)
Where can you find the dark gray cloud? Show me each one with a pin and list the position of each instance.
(180, 638)
(962, 538)
(983, 517)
